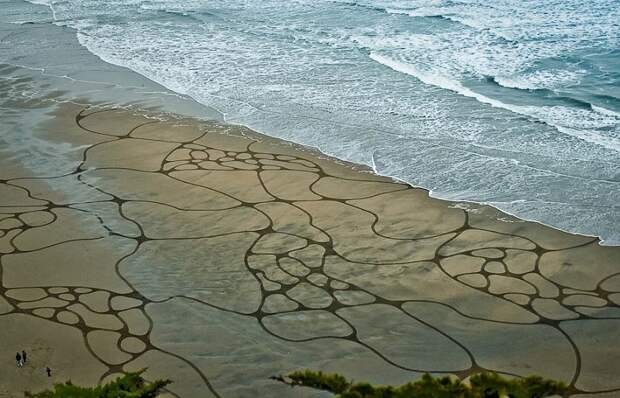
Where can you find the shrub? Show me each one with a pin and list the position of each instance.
(130, 385)
(482, 385)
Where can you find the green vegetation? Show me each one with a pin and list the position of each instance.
(482, 385)
(131, 385)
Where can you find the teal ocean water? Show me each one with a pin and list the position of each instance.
(511, 103)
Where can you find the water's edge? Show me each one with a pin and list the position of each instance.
(186, 104)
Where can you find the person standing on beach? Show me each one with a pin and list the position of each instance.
(18, 358)
(24, 357)
(49, 371)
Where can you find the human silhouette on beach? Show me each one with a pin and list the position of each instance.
(18, 358)
(49, 371)
(24, 356)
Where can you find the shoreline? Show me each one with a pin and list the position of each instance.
(316, 151)
(367, 168)
(126, 79)
(551, 210)
(603, 242)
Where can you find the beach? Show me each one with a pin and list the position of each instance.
(141, 229)
(218, 257)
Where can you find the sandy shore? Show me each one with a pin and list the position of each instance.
(218, 257)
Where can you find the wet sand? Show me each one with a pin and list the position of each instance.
(217, 257)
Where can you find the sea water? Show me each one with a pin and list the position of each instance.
(514, 103)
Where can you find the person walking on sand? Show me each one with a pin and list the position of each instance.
(49, 371)
(18, 358)
(24, 356)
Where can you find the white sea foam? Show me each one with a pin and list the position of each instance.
(515, 82)
(606, 112)
(47, 3)
(541, 79)
(41, 2)
(557, 116)
(435, 79)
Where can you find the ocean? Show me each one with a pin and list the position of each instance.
(511, 103)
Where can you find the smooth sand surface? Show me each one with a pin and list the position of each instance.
(218, 257)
